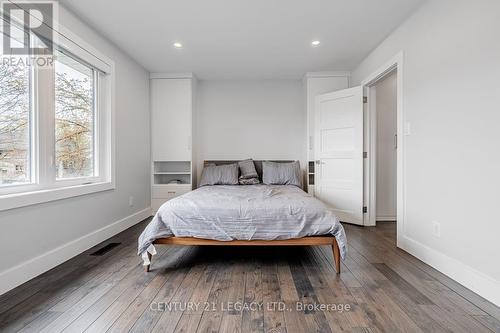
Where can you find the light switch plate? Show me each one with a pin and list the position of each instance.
(407, 128)
(436, 229)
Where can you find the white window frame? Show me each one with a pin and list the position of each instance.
(44, 186)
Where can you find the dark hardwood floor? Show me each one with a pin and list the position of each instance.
(211, 289)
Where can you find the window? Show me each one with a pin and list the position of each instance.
(15, 114)
(75, 118)
(55, 125)
(15, 124)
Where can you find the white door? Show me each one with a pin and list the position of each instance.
(339, 152)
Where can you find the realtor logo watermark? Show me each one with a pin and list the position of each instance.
(232, 307)
(27, 31)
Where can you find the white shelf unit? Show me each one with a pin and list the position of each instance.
(172, 173)
(167, 172)
(171, 137)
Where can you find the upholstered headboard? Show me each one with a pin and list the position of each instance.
(258, 164)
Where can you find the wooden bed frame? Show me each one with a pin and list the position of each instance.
(311, 240)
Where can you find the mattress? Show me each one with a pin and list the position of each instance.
(242, 212)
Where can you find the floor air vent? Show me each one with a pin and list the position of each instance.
(106, 248)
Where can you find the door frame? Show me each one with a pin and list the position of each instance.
(395, 63)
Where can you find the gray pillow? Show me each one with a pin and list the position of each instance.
(249, 181)
(248, 174)
(247, 169)
(281, 173)
(220, 175)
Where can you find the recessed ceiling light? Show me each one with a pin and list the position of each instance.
(178, 45)
(315, 43)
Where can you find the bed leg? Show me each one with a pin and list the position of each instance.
(147, 266)
(336, 255)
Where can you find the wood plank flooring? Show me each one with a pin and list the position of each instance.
(247, 289)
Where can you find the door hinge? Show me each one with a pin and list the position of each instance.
(365, 209)
(365, 99)
(365, 154)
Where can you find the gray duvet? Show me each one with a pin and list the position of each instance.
(238, 212)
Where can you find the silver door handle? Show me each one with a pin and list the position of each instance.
(395, 141)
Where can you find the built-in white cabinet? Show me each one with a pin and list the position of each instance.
(172, 164)
(317, 83)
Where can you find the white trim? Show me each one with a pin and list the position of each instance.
(22, 199)
(383, 70)
(29, 269)
(387, 218)
(171, 75)
(83, 50)
(327, 74)
(371, 117)
(395, 62)
(480, 283)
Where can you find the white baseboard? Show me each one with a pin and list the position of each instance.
(478, 282)
(387, 218)
(29, 269)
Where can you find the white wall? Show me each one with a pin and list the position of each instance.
(251, 119)
(386, 102)
(36, 238)
(450, 85)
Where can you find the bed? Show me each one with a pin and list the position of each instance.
(244, 215)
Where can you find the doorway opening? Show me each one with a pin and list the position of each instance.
(384, 94)
(384, 146)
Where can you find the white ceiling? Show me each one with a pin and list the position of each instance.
(229, 39)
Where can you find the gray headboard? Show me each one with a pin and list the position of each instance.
(258, 164)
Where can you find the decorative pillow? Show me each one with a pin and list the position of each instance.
(248, 174)
(220, 175)
(249, 181)
(247, 169)
(281, 173)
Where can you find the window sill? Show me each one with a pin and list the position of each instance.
(16, 200)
